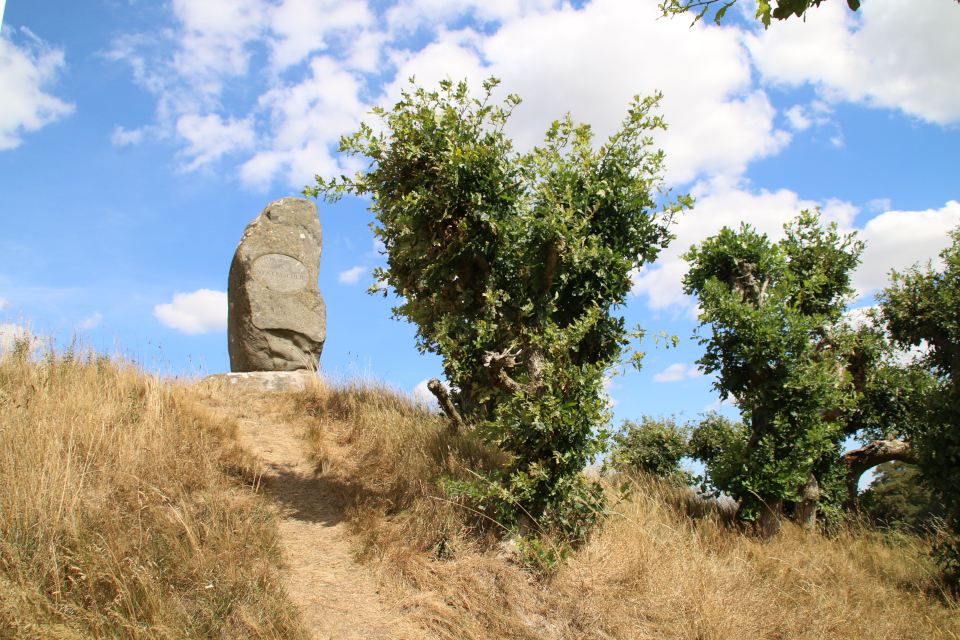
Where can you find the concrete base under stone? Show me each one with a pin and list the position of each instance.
(274, 381)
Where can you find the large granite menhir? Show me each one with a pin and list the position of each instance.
(277, 320)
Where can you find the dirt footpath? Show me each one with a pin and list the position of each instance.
(337, 597)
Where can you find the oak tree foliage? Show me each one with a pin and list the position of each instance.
(767, 10)
(897, 497)
(511, 266)
(771, 323)
(652, 445)
(921, 306)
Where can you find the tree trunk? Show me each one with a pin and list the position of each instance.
(768, 524)
(858, 461)
(806, 511)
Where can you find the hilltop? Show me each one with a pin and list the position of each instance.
(140, 507)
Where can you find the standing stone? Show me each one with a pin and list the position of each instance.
(277, 320)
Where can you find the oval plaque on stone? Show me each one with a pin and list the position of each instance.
(280, 273)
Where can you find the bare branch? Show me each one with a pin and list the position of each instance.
(443, 397)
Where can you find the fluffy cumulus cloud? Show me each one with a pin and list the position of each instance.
(902, 55)
(900, 239)
(592, 61)
(202, 311)
(209, 137)
(894, 239)
(677, 372)
(315, 68)
(328, 62)
(308, 118)
(27, 71)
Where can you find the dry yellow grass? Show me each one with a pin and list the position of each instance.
(123, 510)
(651, 571)
(126, 510)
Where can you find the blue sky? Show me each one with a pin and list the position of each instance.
(137, 140)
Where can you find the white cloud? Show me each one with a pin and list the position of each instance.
(215, 36)
(895, 54)
(423, 393)
(900, 239)
(894, 239)
(352, 276)
(302, 27)
(798, 121)
(91, 321)
(202, 311)
(720, 204)
(590, 61)
(308, 120)
(328, 61)
(209, 137)
(3, 303)
(25, 73)
(121, 138)
(677, 372)
(859, 317)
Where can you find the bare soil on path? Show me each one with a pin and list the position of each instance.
(338, 598)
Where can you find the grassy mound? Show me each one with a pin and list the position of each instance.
(128, 510)
(123, 510)
(661, 566)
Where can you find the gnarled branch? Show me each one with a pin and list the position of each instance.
(858, 461)
(498, 363)
(747, 283)
(443, 397)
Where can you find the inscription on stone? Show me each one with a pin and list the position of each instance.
(280, 273)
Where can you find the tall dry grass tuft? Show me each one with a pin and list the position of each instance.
(389, 453)
(661, 566)
(123, 511)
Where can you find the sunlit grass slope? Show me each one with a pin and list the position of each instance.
(124, 511)
(660, 567)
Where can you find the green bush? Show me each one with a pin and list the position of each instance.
(654, 446)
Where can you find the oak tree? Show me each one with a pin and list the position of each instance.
(922, 307)
(775, 338)
(511, 265)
